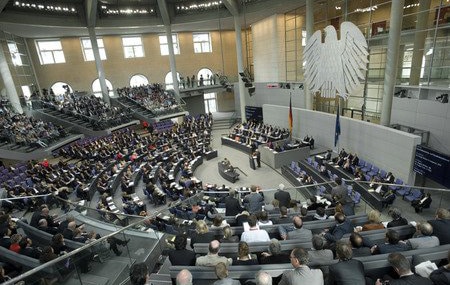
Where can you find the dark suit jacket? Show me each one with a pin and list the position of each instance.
(232, 207)
(411, 280)
(282, 220)
(275, 259)
(182, 257)
(203, 238)
(396, 223)
(336, 232)
(349, 272)
(362, 251)
(441, 230)
(283, 197)
(388, 248)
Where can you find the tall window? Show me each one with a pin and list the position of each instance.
(169, 81)
(210, 102)
(132, 47)
(88, 52)
(204, 77)
(50, 51)
(97, 89)
(61, 88)
(138, 80)
(164, 45)
(202, 42)
(15, 55)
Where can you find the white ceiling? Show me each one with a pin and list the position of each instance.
(31, 24)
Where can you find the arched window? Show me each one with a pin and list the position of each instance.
(169, 81)
(138, 80)
(207, 75)
(97, 89)
(60, 88)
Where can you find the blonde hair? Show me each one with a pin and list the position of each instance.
(201, 227)
(374, 217)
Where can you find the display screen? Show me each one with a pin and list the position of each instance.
(254, 113)
(433, 165)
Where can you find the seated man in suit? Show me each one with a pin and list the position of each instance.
(301, 274)
(358, 247)
(347, 271)
(319, 255)
(420, 204)
(392, 244)
(402, 266)
(423, 237)
(441, 225)
(342, 227)
(296, 232)
(181, 255)
(212, 258)
(441, 276)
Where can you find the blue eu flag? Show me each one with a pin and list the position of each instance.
(337, 130)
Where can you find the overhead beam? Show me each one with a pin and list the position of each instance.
(91, 12)
(232, 6)
(3, 4)
(162, 5)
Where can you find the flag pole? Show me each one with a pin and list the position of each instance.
(339, 111)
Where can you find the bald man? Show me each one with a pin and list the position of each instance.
(299, 233)
(424, 237)
(213, 258)
(184, 277)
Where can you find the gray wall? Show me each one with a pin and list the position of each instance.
(195, 105)
(428, 115)
(387, 148)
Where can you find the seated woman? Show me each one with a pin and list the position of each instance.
(374, 221)
(219, 222)
(202, 234)
(228, 236)
(244, 257)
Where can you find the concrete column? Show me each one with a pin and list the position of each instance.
(240, 65)
(309, 32)
(173, 67)
(9, 83)
(419, 42)
(99, 65)
(391, 60)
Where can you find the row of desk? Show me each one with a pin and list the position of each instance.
(373, 198)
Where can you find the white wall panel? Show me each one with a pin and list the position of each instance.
(389, 149)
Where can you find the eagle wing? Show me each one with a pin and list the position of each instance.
(354, 52)
(311, 58)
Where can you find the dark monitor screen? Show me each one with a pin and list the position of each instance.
(433, 165)
(254, 113)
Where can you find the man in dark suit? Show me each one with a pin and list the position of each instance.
(358, 248)
(181, 255)
(283, 196)
(392, 244)
(339, 192)
(441, 225)
(347, 271)
(342, 227)
(232, 206)
(402, 266)
(284, 218)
